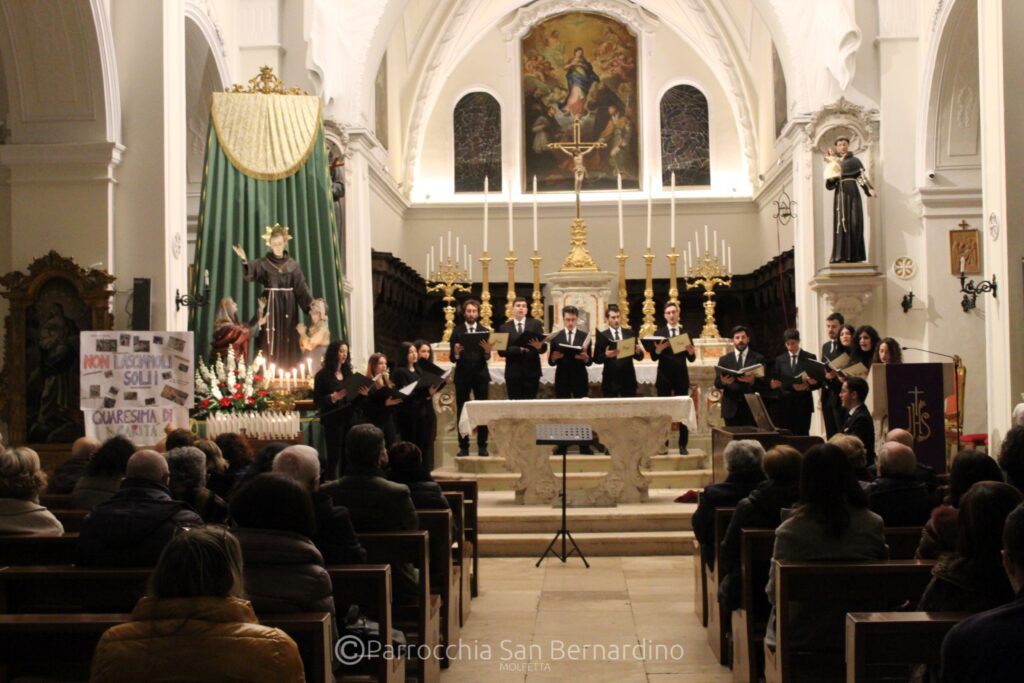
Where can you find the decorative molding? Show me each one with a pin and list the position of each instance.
(904, 268)
(897, 20)
(108, 66)
(858, 123)
(337, 136)
(72, 162)
(849, 292)
(202, 14)
(627, 13)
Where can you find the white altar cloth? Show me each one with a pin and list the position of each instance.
(631, 428)
(646, 372)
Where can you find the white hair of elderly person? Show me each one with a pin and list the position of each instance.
(301, 463)
(743, 455)
(1018, 415)
(21, 480)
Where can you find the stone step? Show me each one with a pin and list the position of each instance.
(524, 519)
(474, 464)
(505, 481)
(593, 544)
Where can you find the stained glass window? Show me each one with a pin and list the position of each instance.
(477, 126)
(684, 137)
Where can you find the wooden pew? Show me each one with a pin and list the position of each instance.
(886, 643)
(751, 619)
(461, 555)
(36, 550)
(471, 494)
(62, 645)
(421, 619)
(56, 501)
(902, 541)
(718, 623)
(700, 580)
(71, 519)
(368, 586)
(833, 585)
(446, 579)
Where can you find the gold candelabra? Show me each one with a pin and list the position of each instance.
(510, 261)
(623, 294)
(708, 272)
(485, 291)
(673, 282)
(648, 328)
(449, 279)
(537, 308)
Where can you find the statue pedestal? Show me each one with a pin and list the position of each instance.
(848, 287)
(589, 291)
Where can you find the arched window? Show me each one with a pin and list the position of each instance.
(477, 127)
(685, 149)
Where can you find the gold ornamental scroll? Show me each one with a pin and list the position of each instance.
(266, 136)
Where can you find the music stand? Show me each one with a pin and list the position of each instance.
(563, 435)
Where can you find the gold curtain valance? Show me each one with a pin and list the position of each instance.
(267, 137)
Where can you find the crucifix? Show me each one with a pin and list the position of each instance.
(579, 258)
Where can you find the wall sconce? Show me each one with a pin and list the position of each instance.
(784, 208)
(971, 290)
(198, 301)
(908, 301)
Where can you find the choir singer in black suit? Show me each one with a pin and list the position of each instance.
(795, 399)
(571, 379)
(673, 377)
(831, 408)
(522, 359)
(735, 410)
(471, 373)
(859, 422)
(618, 379)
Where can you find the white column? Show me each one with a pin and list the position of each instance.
(259, 37)
(805, 244)
(358, 245)
(1001, 69)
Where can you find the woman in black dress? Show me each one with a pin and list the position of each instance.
(415, 423)
(866, 348)
(335, 406)
(379, 405)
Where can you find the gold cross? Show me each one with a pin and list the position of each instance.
(963, 225)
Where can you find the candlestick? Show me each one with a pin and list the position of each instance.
(623, 292)
(673, 284)
(510, 261)
(536, 307)
(708, 272)
(449, 279)
(486, 189)
(672, 219)
(535, 213)
(649, 215)
(618, 182)
(485, 290)
(648, 327)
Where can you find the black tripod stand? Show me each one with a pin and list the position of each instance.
(563, 436)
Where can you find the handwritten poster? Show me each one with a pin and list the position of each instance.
(136, 383)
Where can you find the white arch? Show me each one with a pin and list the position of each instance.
(197, 13)
(108, 66)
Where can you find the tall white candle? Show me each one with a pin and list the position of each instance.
(465, 255)
(723, 251)
(696, 243)
(449, 244)
(458, 252)
(511, 247)
(470, 262)
(440, 247)
(649, 214)
(431, 258)
(706, 245)
(486, 190)
(714, 247)
(618, 183)
(689, 254)
(730, 260)
(672, 220)
(428, 266)
(535, 213)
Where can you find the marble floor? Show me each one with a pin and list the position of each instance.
(626, 619)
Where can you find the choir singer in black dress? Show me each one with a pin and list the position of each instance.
(673, 377)
(415, 412)
(618, 379)
(522, 359)
(337, 408)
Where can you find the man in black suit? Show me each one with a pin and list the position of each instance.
(735, 410)
(471, 373)
(570, 366)
(831, 407)
(618, 379)
(795, 398)
(858, 418)
(673, 377)
(522, 359)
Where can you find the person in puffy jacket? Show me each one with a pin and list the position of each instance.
(195, 625)
(132, 528)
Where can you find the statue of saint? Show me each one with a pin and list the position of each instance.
(845, 175)
(315, 339)
(230, 332)
(285, 289)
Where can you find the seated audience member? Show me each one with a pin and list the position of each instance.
(67, 474)
(939, 535)
(762, 509)
(376, 504)
(831, 522)
(187, 467)
(194, 623)
(104, 474)
(858, 418)
(263, 461)
(1011, 457)
(854, 450)
(897, 496)
(405, 466)
(985, 648)
(743, 465)
(131, 529)
(335, 536)
(284, 572)
(239, 456)
(1018, 415)
(924, 473)
(972, 579)
(215, 462)
(21, 480)
(177, 438)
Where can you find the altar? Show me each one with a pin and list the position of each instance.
(631, 428)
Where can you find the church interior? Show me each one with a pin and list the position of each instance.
(719, 293)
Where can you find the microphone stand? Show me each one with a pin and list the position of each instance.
(956, 384)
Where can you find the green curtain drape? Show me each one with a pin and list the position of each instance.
(235, 209)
